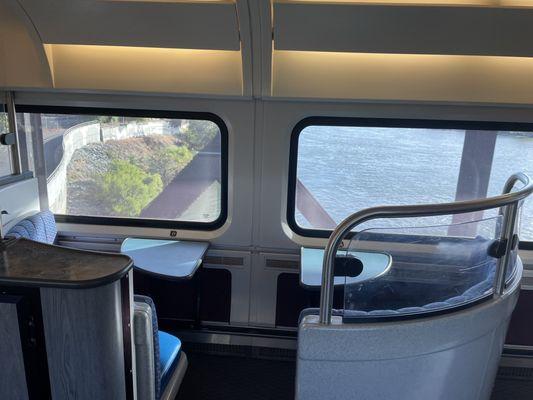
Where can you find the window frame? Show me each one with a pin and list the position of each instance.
(377, 123)
(146, 113)
(15, 176)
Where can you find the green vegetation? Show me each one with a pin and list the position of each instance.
(169, 161)
(3, 123)
(122, 177)
(198, 133)
(108, 119)
(126, 189)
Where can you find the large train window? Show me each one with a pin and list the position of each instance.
(142, 168)
(342, 165)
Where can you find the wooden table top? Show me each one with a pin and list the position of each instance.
(29, 263)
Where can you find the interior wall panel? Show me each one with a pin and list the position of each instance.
(400, 77)
(23, 61)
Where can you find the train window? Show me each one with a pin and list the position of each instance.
(340, 166)
(5, 151)
(133, 168)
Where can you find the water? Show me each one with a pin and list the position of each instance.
(351, 168)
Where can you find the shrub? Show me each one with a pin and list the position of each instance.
(126, 189)
(168, 162)
(197, 134)
(3, 123)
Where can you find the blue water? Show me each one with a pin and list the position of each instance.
(350, 168)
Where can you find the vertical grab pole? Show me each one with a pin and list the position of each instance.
(508, 237)
(328, 264)
(328, 280)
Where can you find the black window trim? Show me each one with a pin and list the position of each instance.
(13, 177)
(381, 123)
(146, 113)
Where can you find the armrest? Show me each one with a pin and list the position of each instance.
(144, 350)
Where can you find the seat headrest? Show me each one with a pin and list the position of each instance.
(40, 227)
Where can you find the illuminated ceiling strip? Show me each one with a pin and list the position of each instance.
(169, 1)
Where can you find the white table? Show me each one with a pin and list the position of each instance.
(166, 259)
(374, 264)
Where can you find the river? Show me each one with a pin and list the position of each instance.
(351, 168)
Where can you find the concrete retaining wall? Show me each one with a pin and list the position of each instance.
(80, 135)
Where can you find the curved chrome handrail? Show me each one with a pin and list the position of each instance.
(426, 210)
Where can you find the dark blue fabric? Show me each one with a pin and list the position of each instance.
(155, 333)
(471, 294)
(40, 227)
(169, 348)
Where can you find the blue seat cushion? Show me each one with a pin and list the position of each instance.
(169, 353)
(166, 348)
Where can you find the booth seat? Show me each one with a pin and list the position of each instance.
(40, 227)
(160, 363)
(471, 294)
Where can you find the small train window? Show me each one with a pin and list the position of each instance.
(5, 151)
(342, 165)
(133, 167)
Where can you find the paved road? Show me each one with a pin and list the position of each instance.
(185, 188)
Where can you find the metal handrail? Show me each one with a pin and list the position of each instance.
(426, 210)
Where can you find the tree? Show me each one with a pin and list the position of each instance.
(3, 123)
(126, 189)
(168, 162)
(198, 133)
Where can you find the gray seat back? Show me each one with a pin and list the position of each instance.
(144, 351)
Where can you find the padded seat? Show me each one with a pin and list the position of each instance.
(169, 354)
(40, 227)
(470, 295)
(168, 363)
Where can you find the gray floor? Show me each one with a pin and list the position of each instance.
(249, 377)
(215, 377)
(512, 389)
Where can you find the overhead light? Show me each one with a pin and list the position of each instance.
(421, 77)
(148, 69)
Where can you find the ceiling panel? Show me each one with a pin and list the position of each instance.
(403, 29)
(197, 25)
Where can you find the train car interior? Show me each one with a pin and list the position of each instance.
(266, 199)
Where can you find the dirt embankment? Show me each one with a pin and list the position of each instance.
(159, 154)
